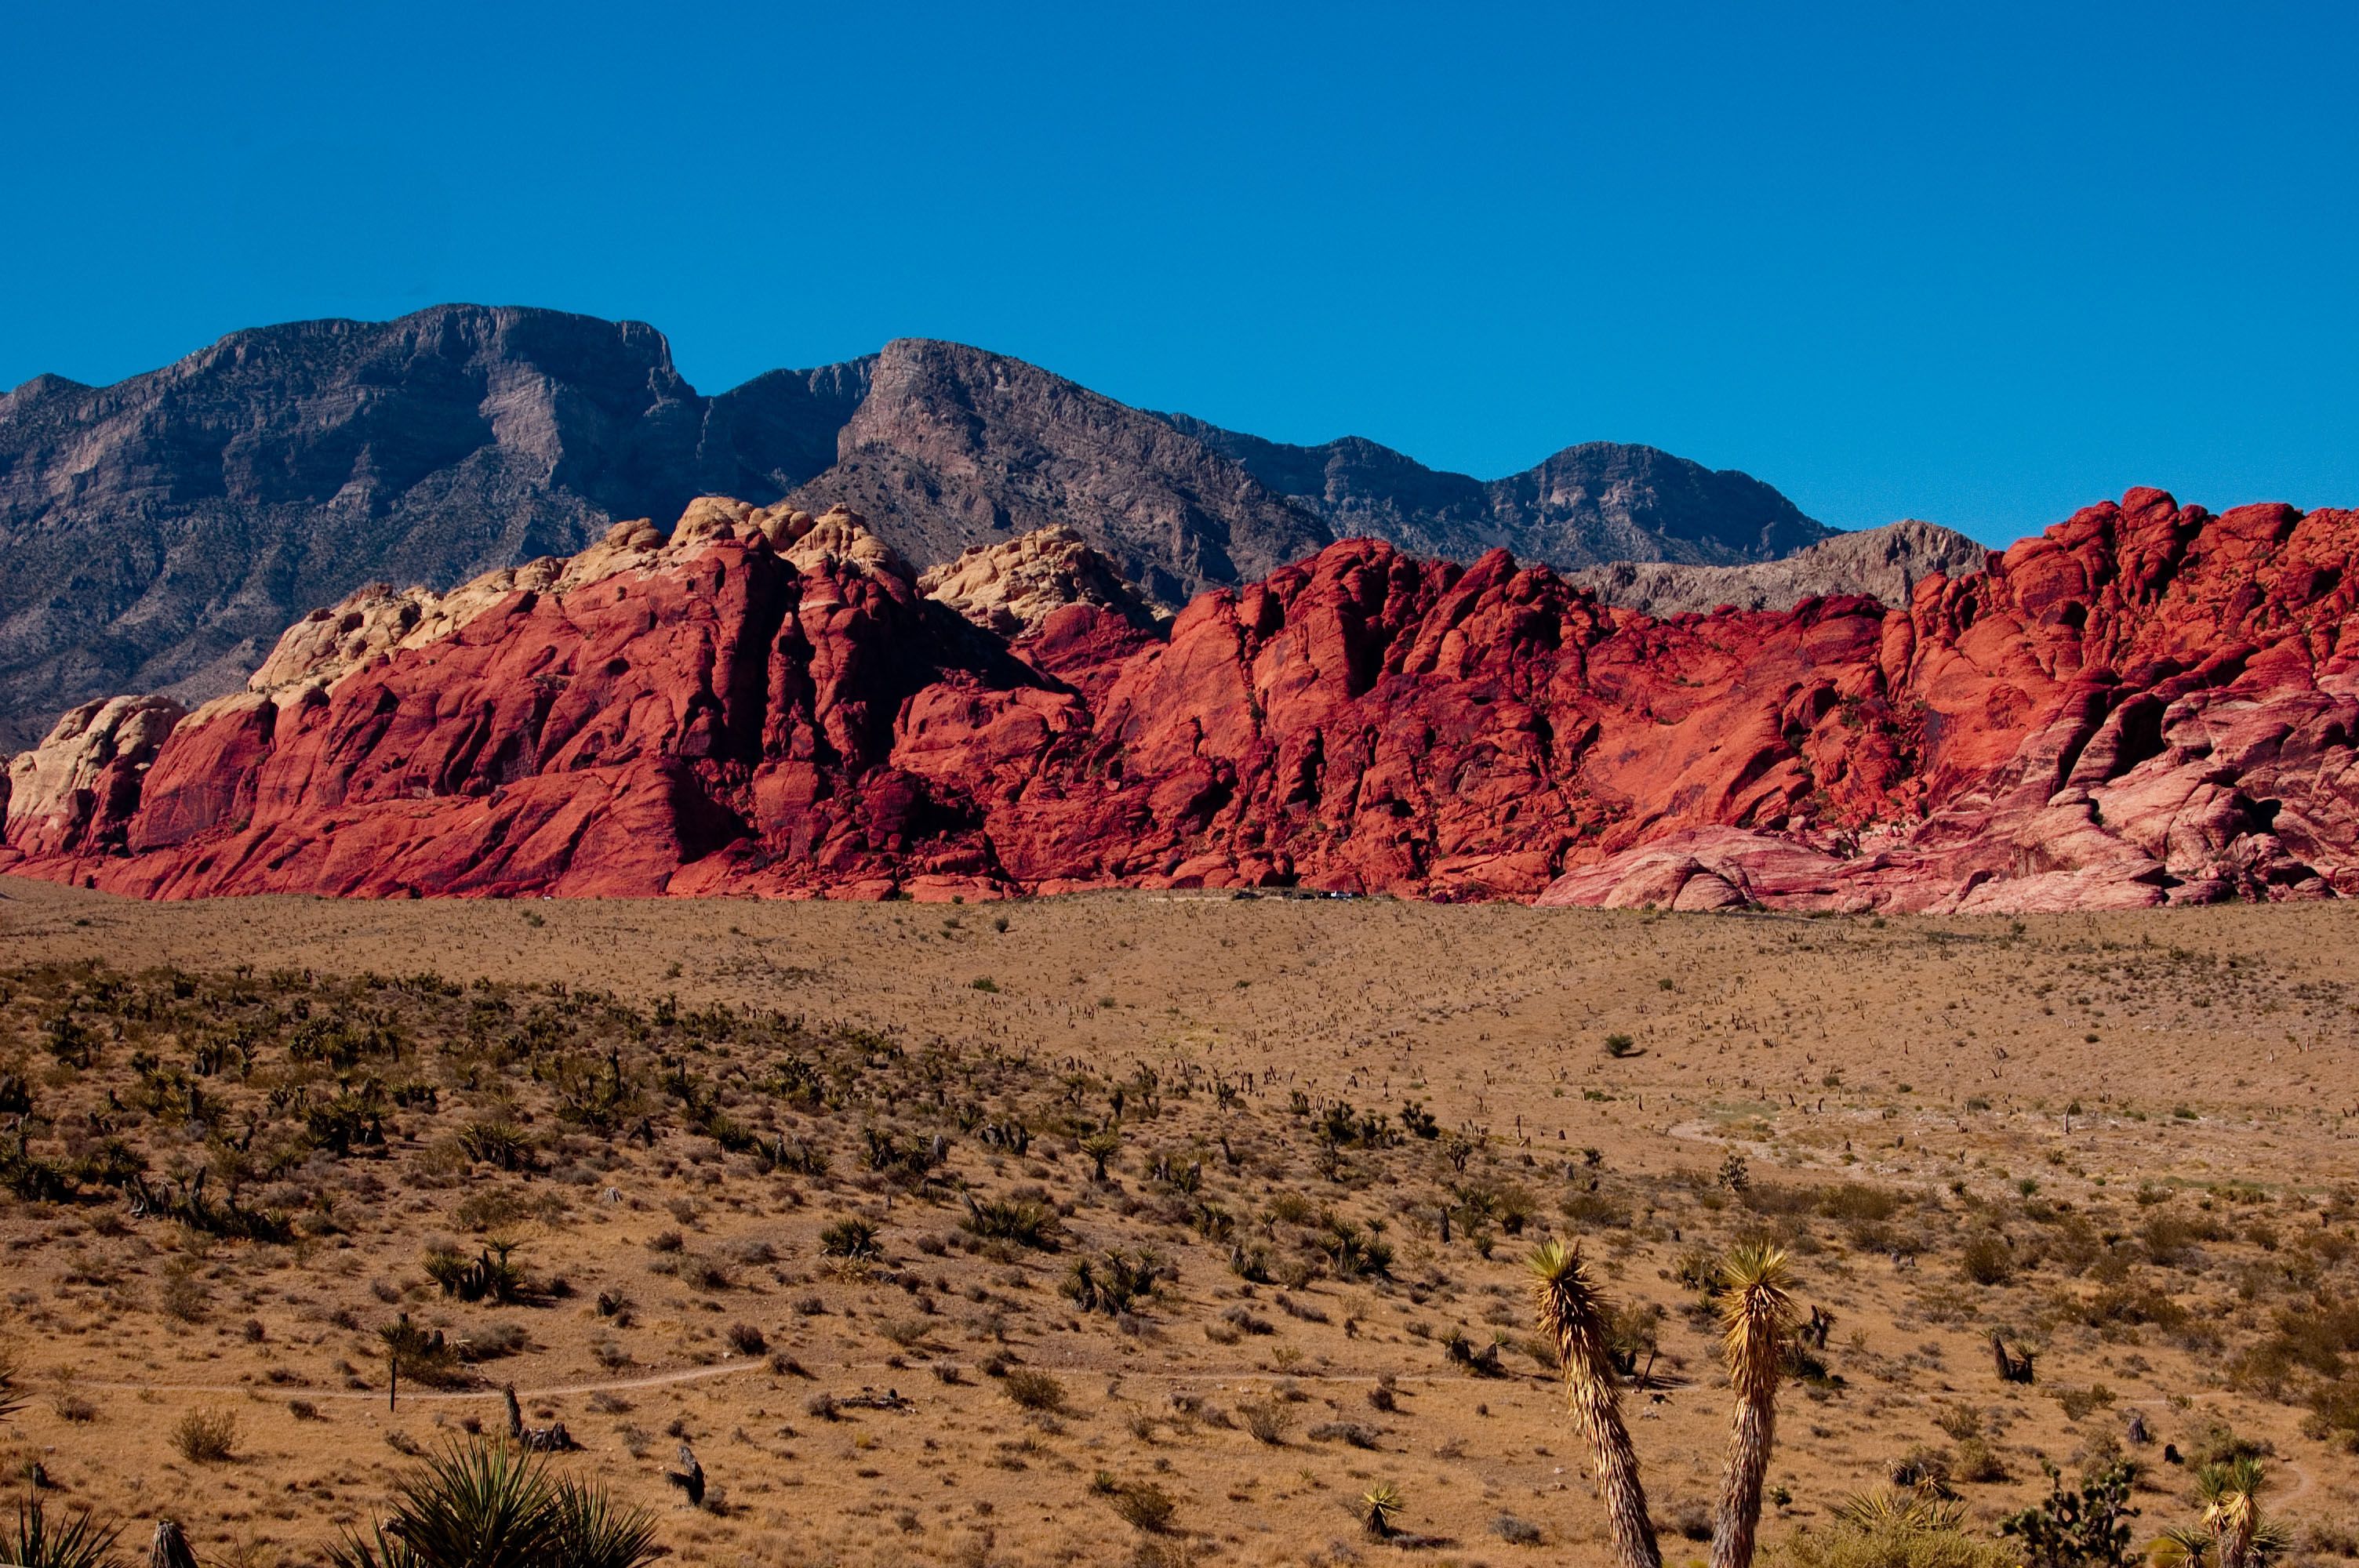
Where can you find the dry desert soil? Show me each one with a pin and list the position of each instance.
(813, 1189)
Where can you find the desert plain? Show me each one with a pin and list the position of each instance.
(1162, 1227)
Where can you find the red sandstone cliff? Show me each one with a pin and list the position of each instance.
(2148, 703)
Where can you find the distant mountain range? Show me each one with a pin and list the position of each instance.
(158, 534)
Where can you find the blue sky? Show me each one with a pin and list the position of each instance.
(1981, 264)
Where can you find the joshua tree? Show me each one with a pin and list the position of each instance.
(1573, 1316)
(2229, 1492)
(1101, 1147)
(1757, 1314)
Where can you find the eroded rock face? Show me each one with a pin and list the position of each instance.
(71, 793)
(2148, 704)
(1012, 589)
(1884, 563)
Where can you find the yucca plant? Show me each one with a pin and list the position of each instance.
(1380, 1507)
(1757, 1314)
(1577, 1323)
(2190, 1546)
(593, 1531)
(483, 1504)
(2229, 1493)
(82, 1541)
(1916, 1512)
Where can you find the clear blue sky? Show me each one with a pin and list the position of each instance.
(1975, 263)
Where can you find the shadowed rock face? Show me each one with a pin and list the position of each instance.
(2148, 703)
(158, 534)
(953, 447)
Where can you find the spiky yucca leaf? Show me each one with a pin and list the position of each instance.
(1757, 1314)
(1577, 1322)
(40, 1542)
(2190, 1546)
(593, 1530)
(374, 1549)
(1911, 1512)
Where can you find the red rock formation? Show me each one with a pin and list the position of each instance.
(2148, 703)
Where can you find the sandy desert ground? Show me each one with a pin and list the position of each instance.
(728, 1149)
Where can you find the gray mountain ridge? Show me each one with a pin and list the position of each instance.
(158, 534)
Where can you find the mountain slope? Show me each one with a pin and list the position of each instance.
(155, 535)
(160, 534)
(1595, 502)
(954, 446)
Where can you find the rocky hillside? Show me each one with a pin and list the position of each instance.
(158, 534)
(1587, 504)
(1884, 564)
(953, 447)
(2148, 704)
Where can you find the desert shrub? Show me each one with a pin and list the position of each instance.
(1979, 1464)
(1986, 1258)
(182, 1294)
(747, 1340)
(706, 1274)
(1593, 1208)
(493, 1340)
(909, 1333)
(1142, 1505)
(1032, 1389)
(1269, 1420)
(1516, 1531)
(416, 1355)
(1289, 1207)
(1350, 1432)
(2313, 1338)
(1846, 1545)
(2127, 1306)
(1632, 1338)
(2217, 1442)
(206, 1436)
